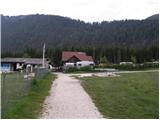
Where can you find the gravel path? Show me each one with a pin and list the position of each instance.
(68, 100)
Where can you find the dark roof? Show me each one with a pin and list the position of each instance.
(23, 60)
(66, 55)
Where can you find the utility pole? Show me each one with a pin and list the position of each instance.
(94, 53)
(43, 55)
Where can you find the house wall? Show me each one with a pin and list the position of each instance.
(79, 64)
(19, 66)
(6, 67)
(84, 64)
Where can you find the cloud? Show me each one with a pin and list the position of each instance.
(87, 10)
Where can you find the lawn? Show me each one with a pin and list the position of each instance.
(134, 95)
(30, 105)
(14, 87)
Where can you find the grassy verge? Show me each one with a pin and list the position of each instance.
(31, 105)
(133, 95)
(14, 87)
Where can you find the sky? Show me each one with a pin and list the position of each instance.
(86, 10)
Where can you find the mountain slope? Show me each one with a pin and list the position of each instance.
(153, 17)
(19, 32)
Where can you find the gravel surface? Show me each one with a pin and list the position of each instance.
(109, 74)
(68, 100)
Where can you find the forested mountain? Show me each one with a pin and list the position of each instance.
(153, 17)
(29, 33)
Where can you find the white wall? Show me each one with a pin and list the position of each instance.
(85, 64)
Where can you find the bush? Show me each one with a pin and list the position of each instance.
(151, 65)
(102, 65)
(71, 69)
(86, 69)
(74, 69)
(124, 67)
(136, 66)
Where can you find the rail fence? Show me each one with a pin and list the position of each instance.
(15, 86)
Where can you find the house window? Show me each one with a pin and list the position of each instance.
(79, 64)
(5, 65)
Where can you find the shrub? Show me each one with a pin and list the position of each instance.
(71, 69)
(86, 68)
(136, 66)
(102, 65)
(74, 69)
(151, 65)
(123, 67)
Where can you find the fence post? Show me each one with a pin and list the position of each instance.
(26, 80)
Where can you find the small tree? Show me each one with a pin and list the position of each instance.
(26, 55)
(103, 60)
(133, 59)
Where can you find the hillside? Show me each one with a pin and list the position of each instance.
(19, 32)
(153, 17)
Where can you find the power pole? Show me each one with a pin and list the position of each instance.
(43, 55)
(94, 53)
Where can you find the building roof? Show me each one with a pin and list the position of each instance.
(66, 55)
(23, 60)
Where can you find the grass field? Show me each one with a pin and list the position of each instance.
(14, 87)
(134, 95)
(30, 105)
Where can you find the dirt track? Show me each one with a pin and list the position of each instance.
(68, 100)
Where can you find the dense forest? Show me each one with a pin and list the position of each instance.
(125, 40)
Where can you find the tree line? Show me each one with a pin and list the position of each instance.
(111, 55)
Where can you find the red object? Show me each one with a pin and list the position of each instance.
(67, 55)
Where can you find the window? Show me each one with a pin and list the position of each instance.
(79, 64)
(91, 64)
(5, 65)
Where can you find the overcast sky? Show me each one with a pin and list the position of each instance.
(86, 10)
